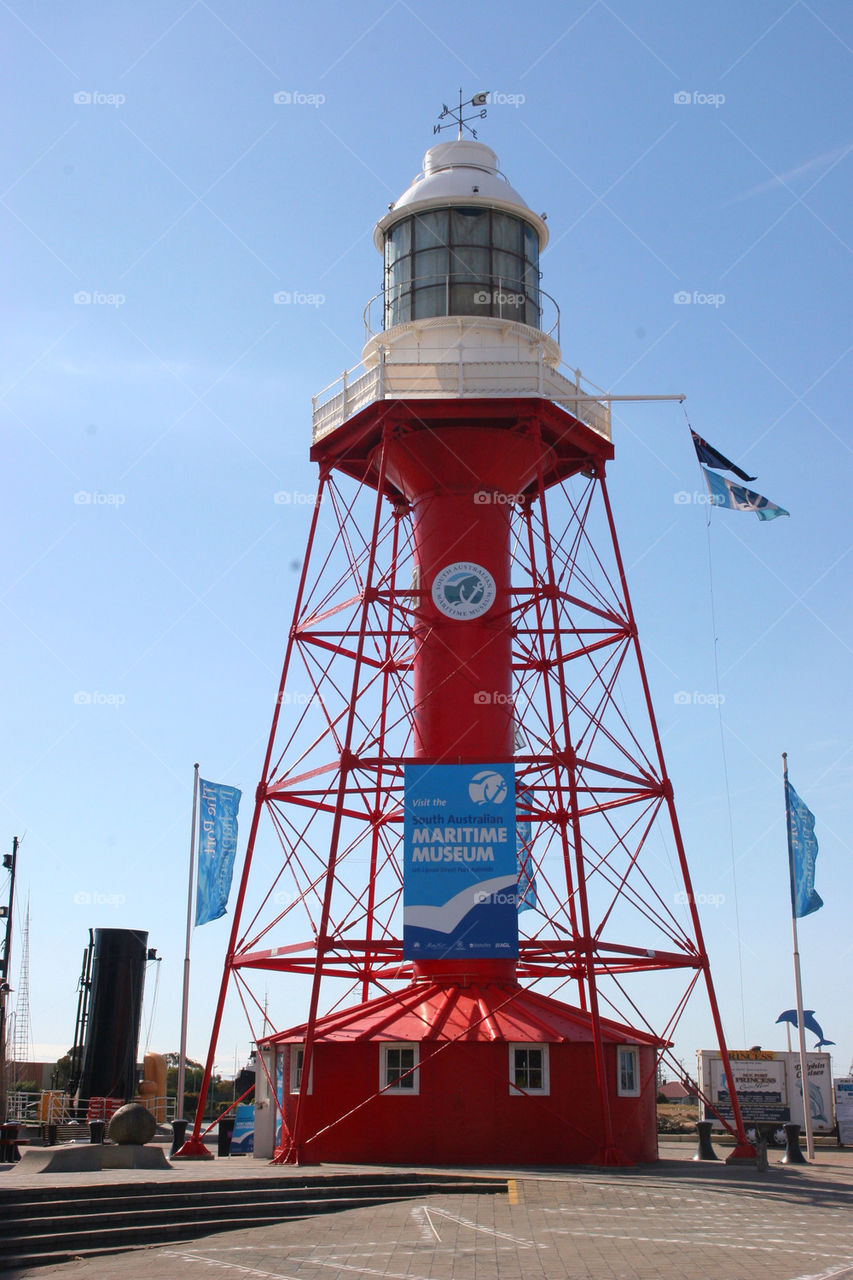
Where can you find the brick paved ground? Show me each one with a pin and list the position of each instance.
(671, 1221)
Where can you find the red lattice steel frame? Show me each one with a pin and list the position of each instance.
(332, 779)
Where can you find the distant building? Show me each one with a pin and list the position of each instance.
(674, 1091)
(37, 1074)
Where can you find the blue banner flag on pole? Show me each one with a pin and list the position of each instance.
(802, 845)
(217, 845)
(725, 493)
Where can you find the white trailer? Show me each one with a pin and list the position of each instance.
(768, 1086)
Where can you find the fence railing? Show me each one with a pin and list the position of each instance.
(55, 1107)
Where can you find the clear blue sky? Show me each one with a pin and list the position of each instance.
(181, 197)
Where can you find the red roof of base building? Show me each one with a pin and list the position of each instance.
(441, 1011)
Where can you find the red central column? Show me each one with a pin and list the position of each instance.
(463, 667)
(460, 482)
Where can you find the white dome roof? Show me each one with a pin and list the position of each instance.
(460, 172)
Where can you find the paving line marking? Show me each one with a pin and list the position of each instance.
(702, 1234)
(827, 1275)
(718, 1244)
(427, 1228)
(610, 1208)
(450, 1251)
(362, 1271)
(489, 1231)
(376, 1252)
(231, 1266)
(370, 1246)
(687, 1194)
(512, 1190)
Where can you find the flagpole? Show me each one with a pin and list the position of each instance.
(182, 1061)
(804, 1074)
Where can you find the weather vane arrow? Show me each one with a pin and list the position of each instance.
(456, 114)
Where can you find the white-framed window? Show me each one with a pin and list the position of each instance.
(627, 1071)
(398, 1071)
(528, 1069)
(297, 1055)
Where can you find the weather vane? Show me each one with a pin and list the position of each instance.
(457, 118)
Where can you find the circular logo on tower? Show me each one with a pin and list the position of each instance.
(464, 590)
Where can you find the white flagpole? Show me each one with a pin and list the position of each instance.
(182, 1062)
(804, 1074)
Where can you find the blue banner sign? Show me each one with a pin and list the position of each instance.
(243, 1137)
(460, 865)
(217, 845)
(279, 1093)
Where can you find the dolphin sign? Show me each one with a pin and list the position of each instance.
(810, 1023)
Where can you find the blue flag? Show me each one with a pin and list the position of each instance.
(725, 493)
(802, 847)
(217, 845)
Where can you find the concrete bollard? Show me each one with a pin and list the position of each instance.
(793, 1151)
(705, 1151)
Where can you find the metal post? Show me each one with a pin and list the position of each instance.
(804, 1066)
(194, 1147)
(9, 861)
(793, 1151)
(182, 1060)
(704, 1151)
(744, 1149)
(586, 942)
(293, 1153)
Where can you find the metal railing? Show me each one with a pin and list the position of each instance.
(52, 1107)
(357, 388)
(500, 299)
(55, 1107)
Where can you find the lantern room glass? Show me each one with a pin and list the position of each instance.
(462, 262)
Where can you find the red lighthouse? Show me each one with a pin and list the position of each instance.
(450, 840)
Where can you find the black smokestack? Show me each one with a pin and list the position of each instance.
(115, 1012)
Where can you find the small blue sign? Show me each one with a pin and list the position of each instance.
(279, 1094)
(460, 863)
(243, 1137)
